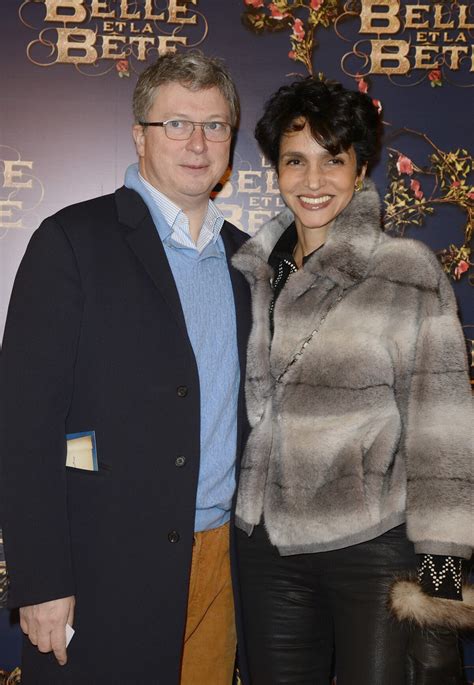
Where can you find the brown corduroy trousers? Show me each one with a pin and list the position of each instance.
(210, 636)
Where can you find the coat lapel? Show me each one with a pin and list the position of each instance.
(144, 241)
(241, 293)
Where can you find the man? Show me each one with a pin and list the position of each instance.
(120, 395)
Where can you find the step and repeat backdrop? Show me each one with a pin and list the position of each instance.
(69, 68)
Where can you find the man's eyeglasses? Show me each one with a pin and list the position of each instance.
(180, 129)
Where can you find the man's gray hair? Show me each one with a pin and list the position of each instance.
(192, 69)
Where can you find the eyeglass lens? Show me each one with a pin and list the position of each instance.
(216, 131)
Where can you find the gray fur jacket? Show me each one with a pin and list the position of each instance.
(360, 406)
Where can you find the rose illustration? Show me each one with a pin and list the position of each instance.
(378, 105)
(298, 30)
(435, 77)
(404, 165)
(460, 269)
(415, 186)
(362, 84)
(276, 13)
(122, 67)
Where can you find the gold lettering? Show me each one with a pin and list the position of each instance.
(461, 38)
(84, 45)
(438, 15)
(177, 12)
(8, 213)
(11, 173)
(246, 180)
(142, 42)
(52, 14)
(166, 43)
(109, 44)
(413, 15)
(108, 26)
(455, 51)
(96, 9)
(463, 22)
(422, 53)
(149, 12)
(368, 15)
(232, 213)
(257, 218)
(272, 183)
(125, 14)
(384, 51)
(148, 28)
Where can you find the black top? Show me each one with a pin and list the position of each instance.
(283, 263)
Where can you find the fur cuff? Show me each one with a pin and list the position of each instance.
(408, 602)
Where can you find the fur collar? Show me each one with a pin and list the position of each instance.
(346, 254)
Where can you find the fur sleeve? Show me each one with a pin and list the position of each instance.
(439, 432)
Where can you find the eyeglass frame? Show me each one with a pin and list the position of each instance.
(162, 124)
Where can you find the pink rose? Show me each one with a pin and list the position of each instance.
(316, 4)
(470, 196)
(455, 184)
(276, 14)
(415, 186)
(292, 54)
(404, 165)
(461, 268)
(435, 75)
(122, 67)
(254, 3)
(378, 105)
(298, 30)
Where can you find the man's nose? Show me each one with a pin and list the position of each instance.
(197, 142)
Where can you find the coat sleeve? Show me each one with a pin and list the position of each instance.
(36, 385)
(440, 432)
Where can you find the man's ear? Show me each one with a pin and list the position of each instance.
(138, 133)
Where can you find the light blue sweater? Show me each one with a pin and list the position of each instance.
(205, 290)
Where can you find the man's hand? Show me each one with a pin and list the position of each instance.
(45, 625)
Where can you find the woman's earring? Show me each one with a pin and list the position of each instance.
(358, 186)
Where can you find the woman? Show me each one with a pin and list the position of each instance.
(357, 469)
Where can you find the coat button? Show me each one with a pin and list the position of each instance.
(180, 461)
(182, 390)
(173, 536)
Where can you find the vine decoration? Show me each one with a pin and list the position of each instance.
(407, 202)
(301, 17)
(10, 678)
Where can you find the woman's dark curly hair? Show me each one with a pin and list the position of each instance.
(338, 118)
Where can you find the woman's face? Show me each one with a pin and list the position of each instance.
(315, 184)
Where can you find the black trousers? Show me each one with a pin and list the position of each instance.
(300, 611)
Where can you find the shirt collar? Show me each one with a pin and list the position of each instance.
(179, 235)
